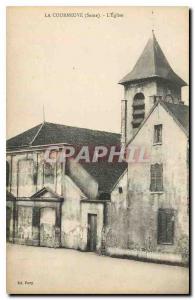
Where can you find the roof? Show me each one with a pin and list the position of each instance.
(152, 63)
(44, 191)
(180, 112)
(105, 173)
(51, 133)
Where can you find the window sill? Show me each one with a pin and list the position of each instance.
(157, 144)
(156, 192)
(166, 244)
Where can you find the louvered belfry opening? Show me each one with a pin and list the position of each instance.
(138, 109)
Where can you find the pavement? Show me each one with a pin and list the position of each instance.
(39, 270)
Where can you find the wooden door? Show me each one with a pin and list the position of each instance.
(92, 232)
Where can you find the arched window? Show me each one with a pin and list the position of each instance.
(169, 98)
(138, 109)
(7, 173)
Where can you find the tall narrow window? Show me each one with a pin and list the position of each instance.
(138, 110)
(120, 189)
(156, 178)
(165, 226)
(49, 171)
(158, 134)
(36, 216)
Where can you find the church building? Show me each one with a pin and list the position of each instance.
(137, 209)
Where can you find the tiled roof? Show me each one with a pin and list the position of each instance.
(24, 138)
(152, 63)
(51, 133)
(106, 174)
(180, 112)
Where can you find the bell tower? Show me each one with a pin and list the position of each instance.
(152, 79)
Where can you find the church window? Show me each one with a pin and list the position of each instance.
(36, 216)
(158, 134)
(49, 171)
(156, 178)
(26, 172)
(165, 226)
(138, 110)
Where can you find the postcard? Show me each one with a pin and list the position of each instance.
(97, 155)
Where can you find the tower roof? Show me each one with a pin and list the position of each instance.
(152, 63)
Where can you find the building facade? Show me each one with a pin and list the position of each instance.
(58, 204)
(134, 208)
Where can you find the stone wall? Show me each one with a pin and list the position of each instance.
(24, 230)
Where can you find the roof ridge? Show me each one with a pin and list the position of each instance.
(179, 103)
(163, 103)
(152, 63)
(154, 51)
(37, 133)
(102, 131)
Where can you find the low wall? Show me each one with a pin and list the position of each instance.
(168, 258)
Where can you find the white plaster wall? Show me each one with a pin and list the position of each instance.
(82, 178)
(120, 199)
(70, 222)
(145, 204)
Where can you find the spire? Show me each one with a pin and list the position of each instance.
(43, 114)
(153, 21)
(152, 63)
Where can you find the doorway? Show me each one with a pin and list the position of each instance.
(47, 227)
(92, 232)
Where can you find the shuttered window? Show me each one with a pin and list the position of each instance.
(156, 178)
(158, 134)
(165, 226)
(36, 216)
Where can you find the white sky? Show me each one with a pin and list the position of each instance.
(72, 65)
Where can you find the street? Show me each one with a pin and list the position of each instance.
(47, 270)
